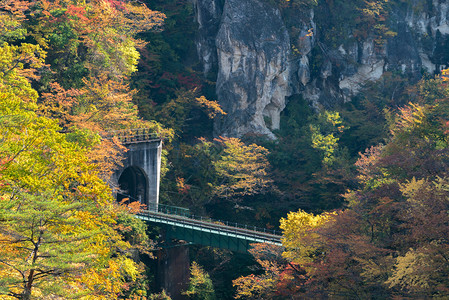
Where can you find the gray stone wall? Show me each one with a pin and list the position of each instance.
(147, 157)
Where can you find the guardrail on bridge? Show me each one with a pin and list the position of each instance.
(131, 136)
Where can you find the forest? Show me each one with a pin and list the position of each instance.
(355, 175)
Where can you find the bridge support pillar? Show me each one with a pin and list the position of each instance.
(173, 271)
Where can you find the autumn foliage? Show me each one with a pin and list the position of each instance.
(391, 239)
(63, 80)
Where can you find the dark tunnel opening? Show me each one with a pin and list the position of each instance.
(133, 185)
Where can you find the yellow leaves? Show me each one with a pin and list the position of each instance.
(374, 8)
(299, 236)
(56, 194)
(243, 168)
(110, 35)
(324, 134)
(10, 28)
(200, 285)
(130, 55)
(212, 107)
(57, 215)
(333, 117)
(13, 58)
(410, 187)
(326, 143)
(445, 75)
(259, 287)
(409, 117)
(108, 282)
(302, 221)
(374, 269)
(407, 272)
(13, 76)
(252, 286)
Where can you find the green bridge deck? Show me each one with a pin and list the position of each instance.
(204, 231)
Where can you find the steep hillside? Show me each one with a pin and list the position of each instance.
(265, 51)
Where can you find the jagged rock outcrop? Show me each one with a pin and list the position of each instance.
(416, 47)
(261, 61)
(208, 14)
(253, 48)
(303, 40)
(430, 31)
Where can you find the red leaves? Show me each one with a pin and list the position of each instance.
(183, 188)
(117, 4)
(78, 12)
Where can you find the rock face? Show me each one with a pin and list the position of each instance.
(208, 15)
(260, 61)
(253, 47)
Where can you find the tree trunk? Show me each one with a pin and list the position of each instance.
(26, 295)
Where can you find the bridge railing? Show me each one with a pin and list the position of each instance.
(130, 136)
(170, 210)
(240, 233)
(157, 207)
(185, 213)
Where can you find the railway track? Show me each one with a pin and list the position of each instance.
(251, 233)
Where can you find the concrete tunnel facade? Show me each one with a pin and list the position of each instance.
(139, 177)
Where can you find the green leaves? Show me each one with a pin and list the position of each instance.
(13, 74)
(200, 285)
(323, 135)
(56, 214)
(58, 232)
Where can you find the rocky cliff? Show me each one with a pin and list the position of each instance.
(262, 57)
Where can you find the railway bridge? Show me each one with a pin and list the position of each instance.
(138, 179)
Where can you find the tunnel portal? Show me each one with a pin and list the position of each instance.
(133, 184)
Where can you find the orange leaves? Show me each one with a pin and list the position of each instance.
(143, 19)
(445, 75)
(367, 161)
(135, 207)
(183, 188)
(58, 103)
(212, 107)
(126, 17)
(409, 117)
(15, 7)
(77, 12)
(104, 105)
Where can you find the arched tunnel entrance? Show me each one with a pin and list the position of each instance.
(133, 184)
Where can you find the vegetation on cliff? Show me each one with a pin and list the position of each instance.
(360, 188)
